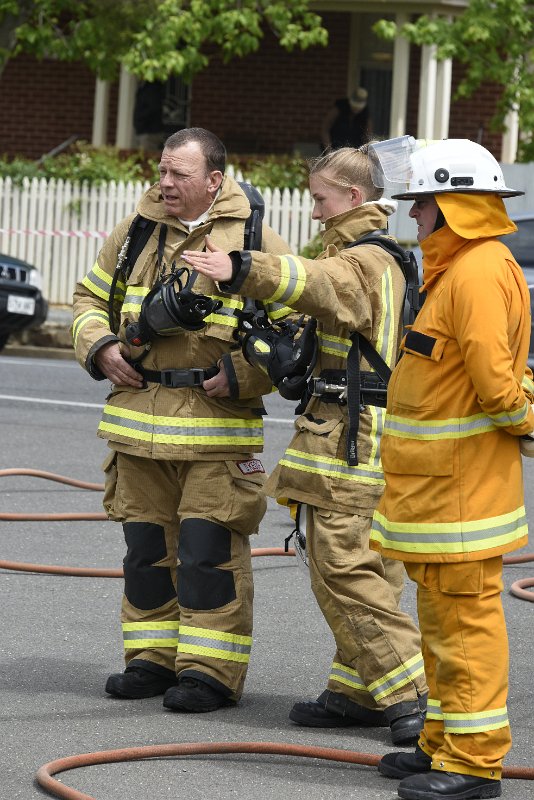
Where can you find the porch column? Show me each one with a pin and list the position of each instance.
(443, 99)
(125, 132)
(100, 114)
(399, 88)
(427, 92)
(510, 137)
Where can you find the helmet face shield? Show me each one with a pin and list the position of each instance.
(391, 161)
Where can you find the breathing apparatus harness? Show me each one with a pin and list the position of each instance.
(289, 361)
(172, 304)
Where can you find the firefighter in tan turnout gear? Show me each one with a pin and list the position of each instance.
(459, 402)
(182, 423)
(377, 676)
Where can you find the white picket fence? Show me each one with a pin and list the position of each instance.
(60, 226)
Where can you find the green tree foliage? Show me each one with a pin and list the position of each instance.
(495, 41)
(152, 38)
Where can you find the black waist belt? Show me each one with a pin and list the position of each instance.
(177, 378)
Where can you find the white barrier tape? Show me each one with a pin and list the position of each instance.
(75, 234)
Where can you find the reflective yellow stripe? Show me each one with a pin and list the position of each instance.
(214, 644)
(375, 434)
(453, 428)
(347, 676)
(506, 418)
(143, 635)
(397, 678)
(292, 281)
(527, 384)
(449, 537)
(386, 331)
(181, 430)
(99, 283)
(476, 723)
(384, 686)
(332, 467)
(88, 316)
(433, 709)
(333, 345)
(134, 298)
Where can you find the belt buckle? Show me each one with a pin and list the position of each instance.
(180, 378)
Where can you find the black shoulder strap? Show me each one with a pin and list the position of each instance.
(406, 261)
(253, 225)
(139, 233)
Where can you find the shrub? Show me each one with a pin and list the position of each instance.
(95, 165)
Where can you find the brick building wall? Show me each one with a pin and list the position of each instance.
(272, 99)
(44, 103)
(268, 101)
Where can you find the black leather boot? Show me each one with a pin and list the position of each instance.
(334, 710)
(435, 785)
(195, 696)
(400, 765)
(406, 720)
(136, 683)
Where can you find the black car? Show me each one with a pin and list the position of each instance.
(22, 304)
(521, 245)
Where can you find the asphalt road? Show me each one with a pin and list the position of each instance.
(61, 635)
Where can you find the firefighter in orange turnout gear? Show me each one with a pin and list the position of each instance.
(377, 676)
(181, 476)
(459, 402)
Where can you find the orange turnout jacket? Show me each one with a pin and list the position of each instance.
(459, 399)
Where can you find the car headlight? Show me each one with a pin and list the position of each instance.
(35, 279)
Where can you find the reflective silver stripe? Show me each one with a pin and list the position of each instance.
(378, 416)
(89, 316)
(134, 298)
(487, 532)
(438, 429)
(216, 644)
(397, 677)
(475, 723)
(333, 468)
(166, 430)
(170, 430)
(453, 537)
(292, 281)
(507, 418)
(99, 283)
(277, 310)
(332, 345)
(433, 709)
(347, 676)
(150, 634)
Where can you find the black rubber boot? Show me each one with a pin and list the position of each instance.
(194, 696)
(334, 710)
(406, 720)
(437, 785)
(136, 683)
(401, 765)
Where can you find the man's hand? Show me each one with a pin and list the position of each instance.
(114, 366)
(214, 263)
(217, 386)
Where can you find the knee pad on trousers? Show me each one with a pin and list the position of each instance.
(146, 586)
(202, 546)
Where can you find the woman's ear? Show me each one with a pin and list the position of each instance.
(356, 197)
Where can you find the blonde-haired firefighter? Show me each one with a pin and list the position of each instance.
(377, 676)
(458, 403)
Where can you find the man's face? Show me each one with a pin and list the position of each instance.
(329, 200)
(425, 212)
(187, 188)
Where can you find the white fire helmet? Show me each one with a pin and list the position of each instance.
(432, 167)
